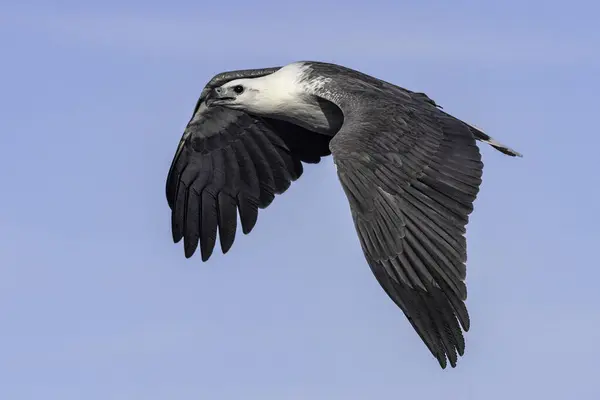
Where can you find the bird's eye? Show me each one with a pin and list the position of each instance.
(239, 89)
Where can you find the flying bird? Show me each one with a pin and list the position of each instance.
(410, 172)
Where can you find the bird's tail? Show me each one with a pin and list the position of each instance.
(482, 136)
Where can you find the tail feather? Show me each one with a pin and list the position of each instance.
(482, 136)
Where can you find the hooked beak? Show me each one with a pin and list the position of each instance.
(218, 96)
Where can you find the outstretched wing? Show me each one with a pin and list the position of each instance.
(411, 173)
(229, 162)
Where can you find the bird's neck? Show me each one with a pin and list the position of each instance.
(311, 113)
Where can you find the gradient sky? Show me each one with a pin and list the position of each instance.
(96, 302)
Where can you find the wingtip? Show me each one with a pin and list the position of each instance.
(188, 252)
(441, 358)
(443, 361)
(205, 255)
(226, 246)
(453, 363)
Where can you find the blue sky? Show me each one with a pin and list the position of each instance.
(96, 302)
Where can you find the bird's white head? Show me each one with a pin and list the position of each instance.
(266, 95)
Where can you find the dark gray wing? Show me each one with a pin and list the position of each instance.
(411, 173)
(229, 162)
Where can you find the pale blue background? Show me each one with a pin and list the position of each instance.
(97, 303)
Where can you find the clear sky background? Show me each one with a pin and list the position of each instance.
(96, 302)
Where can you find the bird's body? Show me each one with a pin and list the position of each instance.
(410, 172)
